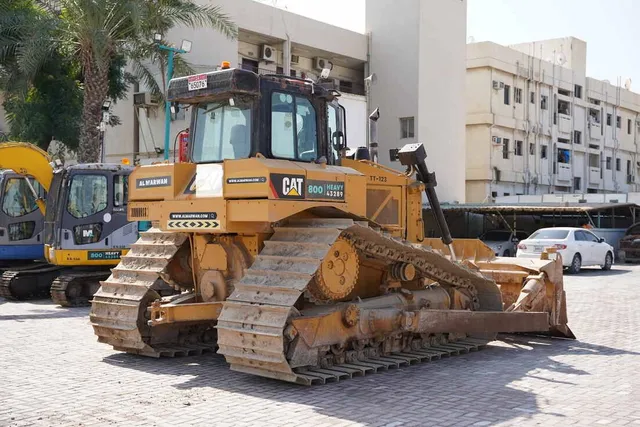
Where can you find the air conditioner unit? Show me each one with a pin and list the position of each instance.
(295, 59)
(320, 63)
(496, 140)
(145, 99)
(268, 53)
(631, 179)
(496, 84)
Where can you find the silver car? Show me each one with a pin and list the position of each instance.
(503, 242)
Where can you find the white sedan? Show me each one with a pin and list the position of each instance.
(577, 246)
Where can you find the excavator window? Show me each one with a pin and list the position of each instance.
(120, 190)
(293, 127)
(87, 195)
(223, 130)
(18, 199)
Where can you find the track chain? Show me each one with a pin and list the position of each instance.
(5, 285)
(119, 309)
(74, 289)
(251, 326)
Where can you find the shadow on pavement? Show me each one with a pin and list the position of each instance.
(54, 313)
(479, 385)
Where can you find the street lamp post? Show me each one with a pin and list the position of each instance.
(184, 48)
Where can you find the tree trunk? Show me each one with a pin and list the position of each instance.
(96, 88)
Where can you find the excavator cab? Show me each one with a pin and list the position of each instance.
(21, 222)
(86, 221)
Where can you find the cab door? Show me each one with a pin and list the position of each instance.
(21, 222)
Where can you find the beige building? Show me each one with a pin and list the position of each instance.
(536, 124)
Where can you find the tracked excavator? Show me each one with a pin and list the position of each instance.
(86, 230)
(297, 263)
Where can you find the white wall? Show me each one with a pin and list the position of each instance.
(394, 31)
(441, 94)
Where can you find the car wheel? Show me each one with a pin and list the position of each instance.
(608, 261)
(576, 264)
(506, 253)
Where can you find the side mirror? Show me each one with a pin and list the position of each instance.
(601, 240)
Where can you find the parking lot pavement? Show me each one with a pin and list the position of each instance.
(53, 372)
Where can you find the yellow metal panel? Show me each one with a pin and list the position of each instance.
(81, 257)
(159, 182)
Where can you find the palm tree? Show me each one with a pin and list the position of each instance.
(95, 32)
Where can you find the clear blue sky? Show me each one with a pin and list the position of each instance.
(611, 28)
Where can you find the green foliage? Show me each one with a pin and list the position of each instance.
(51, 60)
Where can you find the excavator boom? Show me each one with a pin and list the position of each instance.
(28, 160)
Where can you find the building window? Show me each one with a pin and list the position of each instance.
(507, 94)
(532, 148)
(619, 122)
(564, 107)
(608, 119)
(494, 194)
(564, 140)
(292, 73)
(576, 183)
(564, 92)
(608, 163)
(543, 151)
(505, 148)
(250, 65)
(618, 167)
(279, 70)
(577, 91)
(564, 155)
(518, 148)
(594, 161)
(517, 93)
(544, 99)
(629, 126)
(594, 101)
(532, 97)
(628, 167)
(406, 127)
(594, 116)
(507, 194)
(577, 137)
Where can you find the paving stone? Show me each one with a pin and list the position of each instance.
(53, 372)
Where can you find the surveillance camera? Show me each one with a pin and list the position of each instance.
(325, 73)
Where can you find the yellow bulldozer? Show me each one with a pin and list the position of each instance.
(298, 263)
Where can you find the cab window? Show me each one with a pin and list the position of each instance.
(223, 130)
(87, 195)
(18, 199)
(332, 125)
(121, 190)
(293, 127)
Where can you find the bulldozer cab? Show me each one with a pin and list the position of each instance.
(240, 114)
(86, 213)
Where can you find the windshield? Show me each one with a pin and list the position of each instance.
(18, 199)
(496, 236)
(549, 234)
(223, 130)
(88, 195)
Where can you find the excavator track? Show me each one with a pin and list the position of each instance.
(252, 324)
(75, 289)
(28, 282)
(119, 309)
